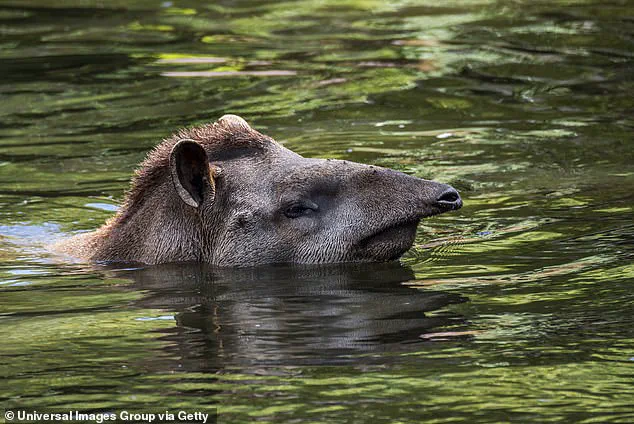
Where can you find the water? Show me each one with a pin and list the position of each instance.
(517, 308)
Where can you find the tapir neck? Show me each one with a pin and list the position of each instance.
(157, 231)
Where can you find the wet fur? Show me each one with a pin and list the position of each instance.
(153, 225)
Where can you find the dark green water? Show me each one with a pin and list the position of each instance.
(517, 308)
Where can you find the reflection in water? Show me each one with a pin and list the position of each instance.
(289, 314)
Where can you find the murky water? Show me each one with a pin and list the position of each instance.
(517, 308)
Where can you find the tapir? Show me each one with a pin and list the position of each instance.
(225, 194)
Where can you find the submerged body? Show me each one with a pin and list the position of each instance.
(228, 195)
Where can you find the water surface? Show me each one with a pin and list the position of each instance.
(517, 308)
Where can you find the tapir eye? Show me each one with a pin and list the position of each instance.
(300, 209)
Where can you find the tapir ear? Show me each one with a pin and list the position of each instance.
(233, 122)
(191, 174)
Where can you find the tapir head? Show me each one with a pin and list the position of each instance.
(227, 195)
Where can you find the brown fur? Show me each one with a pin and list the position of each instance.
(227, 133)
(113, 241)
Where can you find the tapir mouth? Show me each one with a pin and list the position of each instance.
(389, 243)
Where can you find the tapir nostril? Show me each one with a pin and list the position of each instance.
(449, 199)
(449, 196)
